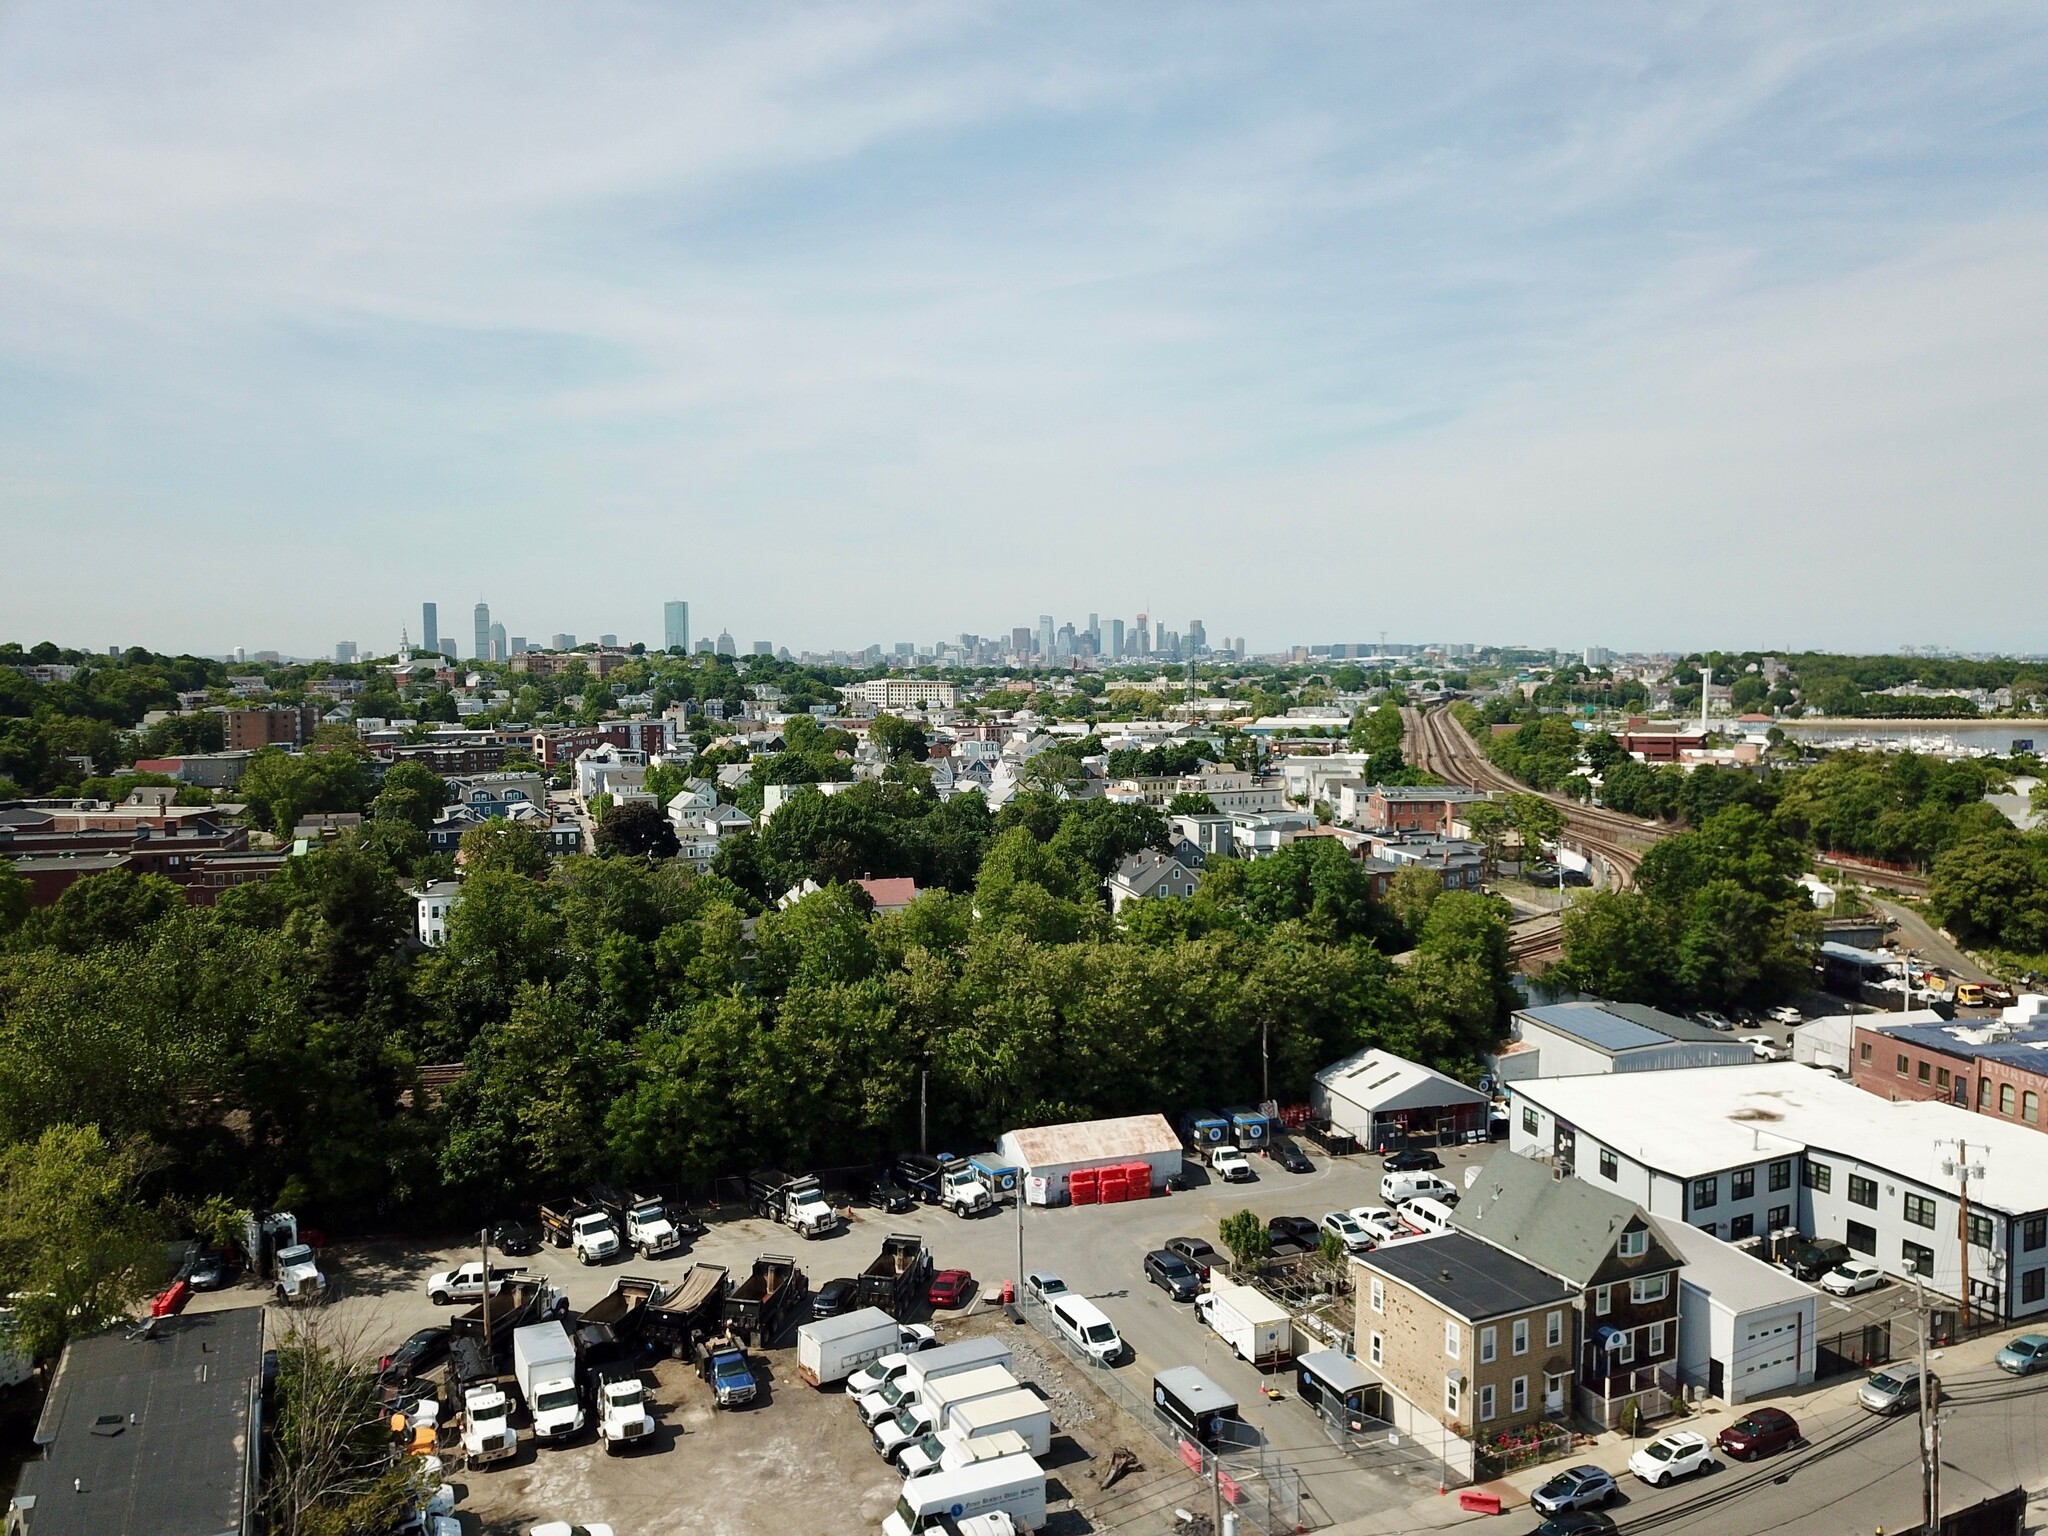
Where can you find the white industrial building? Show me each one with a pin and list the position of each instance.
(1744, 1152)
(1826, 1042)
(1745, 1328)
(1045, 1155)
(1576, 1038)
(1384, 1100)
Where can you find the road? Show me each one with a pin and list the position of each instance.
(1918, 934)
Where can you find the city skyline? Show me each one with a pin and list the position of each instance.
(960, 314)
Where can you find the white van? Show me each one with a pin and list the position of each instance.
(1012, 1484)
(1400, 1188)
(1428, 1215)
(1083, 1323)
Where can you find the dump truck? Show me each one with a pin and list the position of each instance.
(796, 1201)
(897, 1279)
(616, 1321)
(586, 1228)
(522, 1302)
(763, 1304)
(681, 1316)
(953, 1182)
(272, 1241)
(643, 1221)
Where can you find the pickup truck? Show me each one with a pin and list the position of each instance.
(466, 1283)
(587, 1229)
(643, 1218)
(724, 1368)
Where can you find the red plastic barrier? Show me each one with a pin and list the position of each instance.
(1082, 1186)
(1137, 1181)
(1478, 1502)
(171, 1300)
(1227, 1485)
(1111, 1183)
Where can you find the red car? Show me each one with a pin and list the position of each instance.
(950, 1288)
(1759, 1432)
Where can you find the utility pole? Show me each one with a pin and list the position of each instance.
(1215, 1494)
(483, 1238)
(1963, 1170)
(1265, 1066)
(1930, 1449)
(921, 1147)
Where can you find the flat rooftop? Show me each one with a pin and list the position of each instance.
(1700, 1120)
(1463, 1275)
(1614, 1027)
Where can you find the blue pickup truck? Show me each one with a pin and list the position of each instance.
(726, 1370)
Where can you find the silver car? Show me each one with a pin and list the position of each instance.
(1895, 1389)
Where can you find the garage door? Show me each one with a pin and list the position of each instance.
(1766, 1353)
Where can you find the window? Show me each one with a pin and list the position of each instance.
(1863, 1191)
(1923, 1072)
(1781, 1174)
(2005, 1098)
(1625, 1351)
(1861, 1238)
(1379, 1295)
(1376, 1350)
(1643, 1292)
(1553, 1330)
(1518, 1392)
(2030, 1107)
(1603, 1300)
(1983, 1094)
(1863, 1050)
(1902, 1064)
(1486, 1402)
(1779, 1218)
(2034, 1233)
(1609, 1170)
(1818, 1176)
(1918, 1260)
(1742, 1184)
(1529, 1119)
(1489, 1345)
(1518, 1340)
(1454, 1338)
(1656, 1340)
(1451, 1396)
(1941, 1077)
(1711, 1227)
(1706, 1192)
(1740, 1227)
(2034, 1285)
(1919, 1210)
(1980, 1230)
(1635, 1244)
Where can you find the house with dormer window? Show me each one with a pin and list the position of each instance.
(1625, 1277)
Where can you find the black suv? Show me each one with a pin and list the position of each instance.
(1818, 1257)
(832, 1298)
(1412, 1160)
(1172, 1274)
(1289, 1156)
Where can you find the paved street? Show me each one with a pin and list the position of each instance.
(1916, 933)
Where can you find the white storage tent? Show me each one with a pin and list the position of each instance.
(1046, 1154)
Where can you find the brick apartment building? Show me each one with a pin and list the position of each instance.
(277, 725)
(1987, 1067)
(556, 745)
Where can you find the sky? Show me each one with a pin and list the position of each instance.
(1645, 326)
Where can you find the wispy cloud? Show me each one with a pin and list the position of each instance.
(862, 322)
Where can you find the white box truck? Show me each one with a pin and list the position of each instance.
(1011, 1485)
(545, 1366)
(1022, 1411)
(893, 1381)
(832, 1348)
(1256, 1326)
(948, 1450)
(916, 1418)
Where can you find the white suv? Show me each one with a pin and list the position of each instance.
(1678, 1454)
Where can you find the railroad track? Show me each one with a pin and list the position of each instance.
(1438, 744)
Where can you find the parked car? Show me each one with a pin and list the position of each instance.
(1411, 1160)
(1173, 1274)
(1043, 1284)
(1969, 994)
(1196, 1251)
(1759, 1432)
(2024, 1355)
(1581, 1487)
(1714, 1020)
(1284, 1152)
(1852, 1276)
(950, 1288)
(1380, 1223)
(1577, 878)
(833, 1297)
(210, 1268)
(1765, 1047)
(1895, 1389)
(1298, 1230)
(1820, 1256)
(1668, 1457)
(1345, 1228)
(1785, 1013)
(1998, 995)
(1576, 1522)
(515, 1238)
(427, 1347)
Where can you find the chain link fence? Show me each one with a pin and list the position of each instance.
(1264, 1491)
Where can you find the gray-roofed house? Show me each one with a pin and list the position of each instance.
(1623, 1275)
(1746, 1329)
(150, 1436)
(1387, 1101)
(1465, 1332)
(1150, 875)
(1579, 1038)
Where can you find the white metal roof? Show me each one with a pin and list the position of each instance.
(1701, 1120)
(1380, 1081)
(1085, 1141)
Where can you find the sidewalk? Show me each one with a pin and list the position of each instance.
(1817, 1408)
